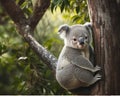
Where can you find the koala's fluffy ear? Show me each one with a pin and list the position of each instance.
(88, 26)
(63, 29)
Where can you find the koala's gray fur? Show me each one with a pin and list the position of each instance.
(74, 67)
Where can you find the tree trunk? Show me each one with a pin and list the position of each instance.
(105, 16)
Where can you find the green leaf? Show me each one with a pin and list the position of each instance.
(52, 7)
(75, 18)
(67, 3)
(62, 7)
(77, 9)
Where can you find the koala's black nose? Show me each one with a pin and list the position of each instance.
(81, 41)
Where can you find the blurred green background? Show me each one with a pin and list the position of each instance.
(21, 71)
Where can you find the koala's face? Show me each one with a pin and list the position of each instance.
(76, 36)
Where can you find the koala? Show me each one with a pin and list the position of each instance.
(74, 67)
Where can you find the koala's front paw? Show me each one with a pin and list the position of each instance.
(96, 68)
(98, 76)
(95, 79)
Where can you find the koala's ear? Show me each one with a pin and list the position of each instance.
(88, 26)
(63, 29)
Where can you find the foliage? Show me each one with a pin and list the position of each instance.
(12, 79)
(21, 71)
(76, 10)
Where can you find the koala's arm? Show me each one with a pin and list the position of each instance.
(85, 64)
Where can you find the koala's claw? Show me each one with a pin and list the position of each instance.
(95, 79)
(98, 76)
(97, 68)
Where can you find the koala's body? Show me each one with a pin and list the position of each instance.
(74, 67)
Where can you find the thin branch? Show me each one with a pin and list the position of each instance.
(39, 9)
(43, 54)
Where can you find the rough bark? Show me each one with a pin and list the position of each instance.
(105, 16)
(27, 26)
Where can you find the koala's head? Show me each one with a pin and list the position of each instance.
(76, 36)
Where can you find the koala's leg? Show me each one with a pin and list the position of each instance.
(95, 79)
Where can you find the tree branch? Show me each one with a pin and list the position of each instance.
(14, 11)
(25, 29)
(40, 8)
(43, 54)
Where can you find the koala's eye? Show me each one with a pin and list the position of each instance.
(86, 37)
(74, 39)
